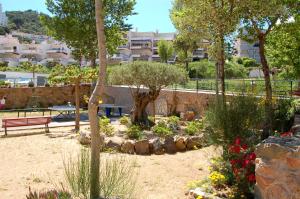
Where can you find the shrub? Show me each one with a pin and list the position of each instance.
(124, 120)
(283, 114)
(194, 127)
(117, 176)
(134, 132)
(105, 126)
(50, 194)
(173, 123)
(161, 129)
(241, 116)
(31, 84)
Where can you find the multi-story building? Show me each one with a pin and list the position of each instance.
(3, 17)
(246, 49)
(144, 46)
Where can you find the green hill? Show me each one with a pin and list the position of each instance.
(25, 21)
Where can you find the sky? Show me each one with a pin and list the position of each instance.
(152, 14)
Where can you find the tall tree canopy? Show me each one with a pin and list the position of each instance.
(151, 75)
(73, 21)
(259, 17)
(165, 50)
(211, 19)
(283, 48)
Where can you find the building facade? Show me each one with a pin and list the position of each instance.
(246, 49)
(3, 17)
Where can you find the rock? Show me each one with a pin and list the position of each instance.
(128, 147)
(156, 146)
(142, 147)
(180, 143)
(84, 138)
(194, 193)
(194, 142)
(277, 168)
(169, 145)
(114, 143)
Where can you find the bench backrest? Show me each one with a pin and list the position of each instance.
(15, 122)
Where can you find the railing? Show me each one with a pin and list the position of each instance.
(243, 86)
(22, 82)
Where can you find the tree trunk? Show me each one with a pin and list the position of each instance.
(268, 87)
(94, 102)
(186, 60)
(77, 103)
(222, 66)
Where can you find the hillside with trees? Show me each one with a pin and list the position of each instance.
(25, 21)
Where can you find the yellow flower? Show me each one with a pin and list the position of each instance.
(199, 197)
(217, 178)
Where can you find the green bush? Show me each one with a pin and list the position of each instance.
(234, 70)
(202, 69)
(124, 120)
(173, 123)
(161, 129)
(283, 114)
(105, 126)
(194, 127)
(117, 176)
(134, 132)
(31, 84)
(241, 117)
(50, 194)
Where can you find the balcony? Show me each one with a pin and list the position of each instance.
(57, 50)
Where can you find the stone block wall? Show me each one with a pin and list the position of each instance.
(169, 101)
(278, 168)
(46, 96)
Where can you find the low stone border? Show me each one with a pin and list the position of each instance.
(157, 145)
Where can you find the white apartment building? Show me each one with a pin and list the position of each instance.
(245, 49)
(13, 52)
(144, 46)
(3, 17)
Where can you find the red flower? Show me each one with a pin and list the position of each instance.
(244, 146)
(236, 149)
(237, 141)
(251, 177)
(245, 163)
(286, 134)
(235, 171)
(252, 156)
(233, 162)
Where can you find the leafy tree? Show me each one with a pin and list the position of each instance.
(259, 17)
(184, 46)
(211, 19)
(283, 48)
(73, 21)
(26, 21)
(165, 50)
(73, 75)
(150, 75)
(33, 68)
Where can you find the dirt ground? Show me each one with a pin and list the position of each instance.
(36, 161)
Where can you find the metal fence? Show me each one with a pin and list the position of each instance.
(244, 86)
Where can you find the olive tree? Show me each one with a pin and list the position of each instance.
(145, 80)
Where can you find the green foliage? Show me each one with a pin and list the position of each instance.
(26, 21)
(240, 117)
(71, 19)
(283, 114)
(105, 126)
(117, 176)
(134, 132)
(31, 84)
(173, 123)
(50, 194)
(234, 70)
(124, 120)
(194, 127)
(202, 69)
(148, 74)
(283, 48)
(165, 50)
(4, 30)
(162, 129)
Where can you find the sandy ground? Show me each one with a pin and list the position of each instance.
(36, 161)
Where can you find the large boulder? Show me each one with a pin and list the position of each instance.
(180, 143)
(194, 142)
(277, 168)
(169, 145)
(114, 143)
(84, 138)
(142, 147)
(156, 146)
(128, 147)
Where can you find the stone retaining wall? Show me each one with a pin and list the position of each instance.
(169, 101)
(278, 168)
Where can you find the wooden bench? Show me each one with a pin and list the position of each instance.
(26, 121)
